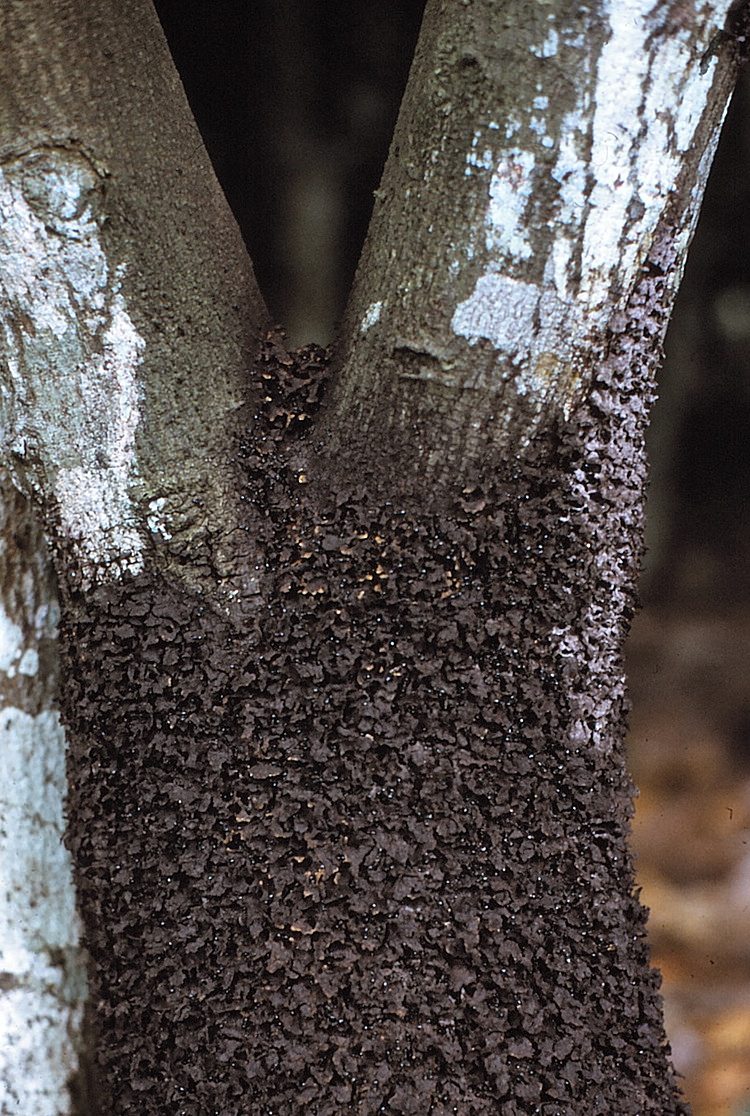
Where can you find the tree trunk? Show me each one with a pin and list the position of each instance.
(543, 153)
(42, 978)
(345, 696)
(129, 307)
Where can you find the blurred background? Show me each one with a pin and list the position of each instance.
(296, 101)
(689, 652)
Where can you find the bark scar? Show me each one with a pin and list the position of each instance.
(425, 360)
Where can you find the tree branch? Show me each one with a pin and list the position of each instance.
(121, 392)
(539, 152)
(42, 977)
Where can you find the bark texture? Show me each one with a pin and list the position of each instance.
(42, 978)
(372, 856)
(539, 149)
(366, 849)
(129, 308)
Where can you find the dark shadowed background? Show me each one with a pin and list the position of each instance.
(296, 102)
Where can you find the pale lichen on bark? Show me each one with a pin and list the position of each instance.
(617, 157)
(42, 980)
(70, 392)
(42, 977)
(541, 151)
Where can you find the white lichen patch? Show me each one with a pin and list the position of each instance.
(552, 286)
(550, 46)
(647, 106)
(37, 911)
(43, 985)
(41, 1006)
(476, 159)
(11, 644)
(38, 1054)
(15, 656)
(70, 400)
(41, 1002)
(371, 316)
(528, 325)
(511, 187)
(156, 520)
(501, 310)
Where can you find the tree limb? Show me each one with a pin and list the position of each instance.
(539, 154)
(128, 306)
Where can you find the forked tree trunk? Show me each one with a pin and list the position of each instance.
(344, 693)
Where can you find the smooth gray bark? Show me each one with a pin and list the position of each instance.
(545, 154)
(541, 150)
(129, 307)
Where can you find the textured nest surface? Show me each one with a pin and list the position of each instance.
(370, 856)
